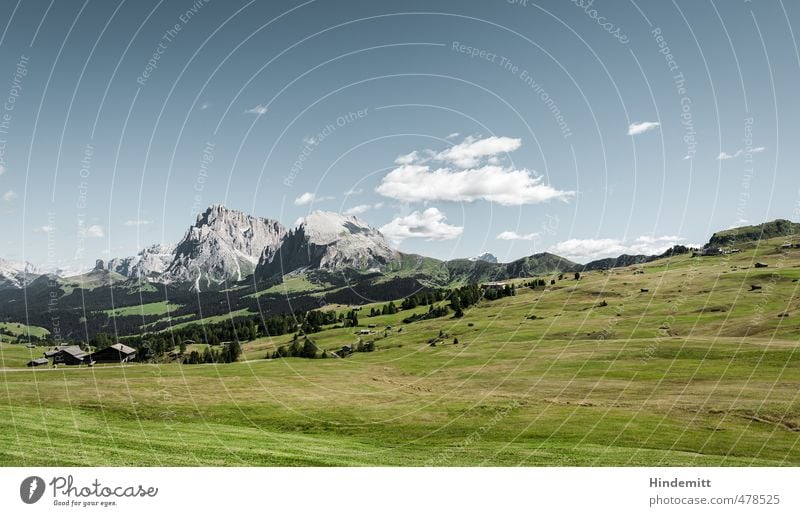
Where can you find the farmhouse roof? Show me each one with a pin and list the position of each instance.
(122, 348)
(75, 351)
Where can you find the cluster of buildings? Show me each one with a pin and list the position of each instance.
(74, 355)
(717, 251)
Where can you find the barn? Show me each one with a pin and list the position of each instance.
(67, 355)
(38, 362)
(114, 354)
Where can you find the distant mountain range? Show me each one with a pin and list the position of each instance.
(225, 247)
(230, 263)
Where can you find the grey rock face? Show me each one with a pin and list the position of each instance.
(327, 240)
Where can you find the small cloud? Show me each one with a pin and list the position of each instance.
(9, 195)
(260, 109)
(754, 150)
(308, 198)
(93, 231)
(724, 155)
(739, 223)
(204, 106)
(358, 210)
(354, 191)
(453, 135)
(642, 127)
(45, 229)
(429, 224)
(361, 208)
(468, 153)
(407, 159)
(2, 170)
(513, 235)
(309, 140)
(138, 222)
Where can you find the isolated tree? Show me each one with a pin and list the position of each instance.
(577, 276)
(309, 349)
(233, 351)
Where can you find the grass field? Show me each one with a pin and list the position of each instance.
(16, 329)
(699, 369)
(161, 307)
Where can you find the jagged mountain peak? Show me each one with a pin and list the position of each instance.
(328, 240)
(223, 245)
(326, 227)
(15, 274)
(150, 262)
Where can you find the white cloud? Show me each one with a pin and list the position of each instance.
(724, 155)
(138, 222)
(407, 159)
(429, 224)
(9, 195)
(2, 170)
(306, 198)
(260, 109)
(506, 186)
(361, 208)
(513, 235)
(468, 153)
(204, 106)
(642, 127)
(358, 210)
(93, 231)
(453, 135)
(584, 250)
(471, 170)
(354, 191)
(44, 229)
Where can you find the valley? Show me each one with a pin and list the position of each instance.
(675, 360)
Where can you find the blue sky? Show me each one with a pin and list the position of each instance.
(458, 127)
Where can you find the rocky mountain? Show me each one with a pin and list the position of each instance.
(222, 246)
(484, 257)
(327, 240)
(16, 274)
(149, 263)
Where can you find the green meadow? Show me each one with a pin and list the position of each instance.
(675, 362)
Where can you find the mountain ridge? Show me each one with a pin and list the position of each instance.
(225, 247)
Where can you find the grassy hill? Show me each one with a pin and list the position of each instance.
(790, 231)
(679, 361)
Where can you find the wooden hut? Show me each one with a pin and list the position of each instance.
(114, 354)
